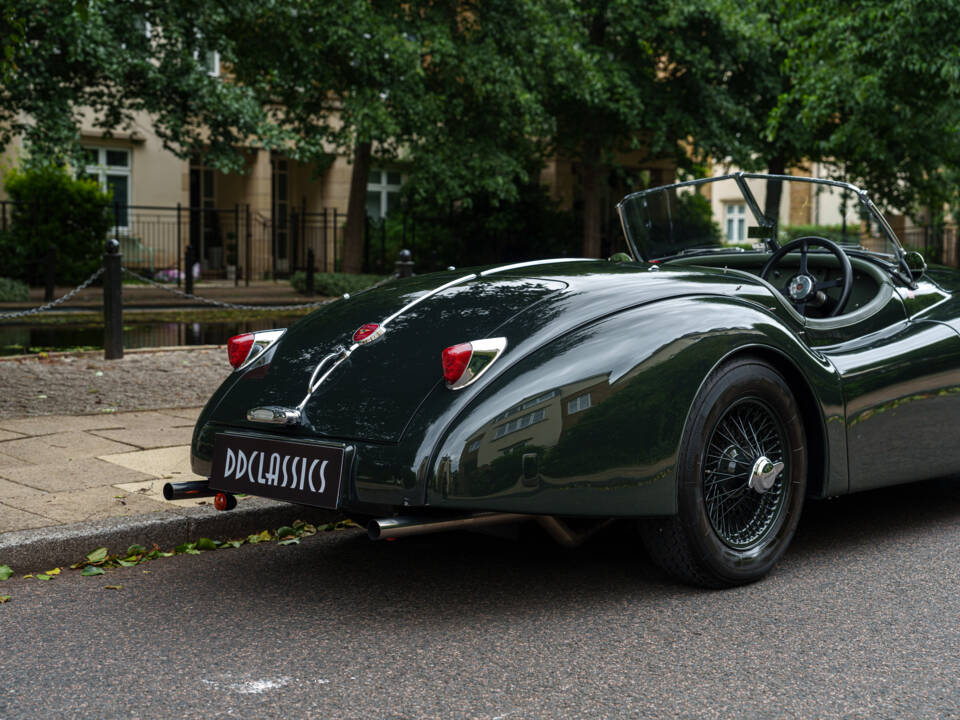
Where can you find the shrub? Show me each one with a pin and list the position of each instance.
(13, 290)
(51, 207)
(838, 233)
(334, 283)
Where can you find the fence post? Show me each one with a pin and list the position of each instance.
(179, 249)
(189, 274)
(404, 264)
(293, 239)
(382, 263)
(303, 221)
(248, 270)
(112, 302)
(335, 268)
(310, 269)
(236, 244)
(325, 256)
(50, 273)
(366, 244)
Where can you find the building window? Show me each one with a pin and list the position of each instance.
(383, 193)
(579, 403)
(210, 59)
(519, 423)
(474, 446)
(110, 167)
(527, 404)
(736, 222)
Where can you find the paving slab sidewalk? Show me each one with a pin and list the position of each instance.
(71, 483)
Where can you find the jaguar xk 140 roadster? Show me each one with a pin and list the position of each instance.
(766, 342)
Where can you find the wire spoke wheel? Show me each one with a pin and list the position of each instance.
(742, 515)
(741, 479)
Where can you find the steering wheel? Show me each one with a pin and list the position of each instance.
(803, 287)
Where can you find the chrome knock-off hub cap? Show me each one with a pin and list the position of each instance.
(764, 474)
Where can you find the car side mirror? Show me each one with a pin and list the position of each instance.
(916, 264)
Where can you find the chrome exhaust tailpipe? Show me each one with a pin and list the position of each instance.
(188, 489)
(395, 527)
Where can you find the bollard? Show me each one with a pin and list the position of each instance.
(188, 276)
(112, 302)
(50, 273)
(310, 271)
(404, 264)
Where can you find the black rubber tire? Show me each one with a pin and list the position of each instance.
(686, 545)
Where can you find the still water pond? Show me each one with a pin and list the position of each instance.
(19, 339)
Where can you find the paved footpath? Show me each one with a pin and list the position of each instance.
(69, 484)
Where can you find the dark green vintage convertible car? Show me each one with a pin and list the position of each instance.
(768, 342)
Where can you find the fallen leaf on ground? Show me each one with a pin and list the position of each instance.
(5, 572)
(112, 587)
(91, 570)
(98, 555)
(4, 598)
(41, 576)
(55, 571)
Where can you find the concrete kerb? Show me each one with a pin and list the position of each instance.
(36, 550)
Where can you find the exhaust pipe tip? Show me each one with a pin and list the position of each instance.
(188, 489)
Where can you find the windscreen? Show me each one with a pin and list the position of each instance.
(724, 213)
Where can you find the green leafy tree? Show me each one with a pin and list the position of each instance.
(648, 77)
(65, 59)
(440, 86)
(875, 87)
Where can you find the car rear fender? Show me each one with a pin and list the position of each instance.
(590, 423)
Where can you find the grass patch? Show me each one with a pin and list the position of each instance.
(334, 284)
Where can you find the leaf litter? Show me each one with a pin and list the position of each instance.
(98, 561)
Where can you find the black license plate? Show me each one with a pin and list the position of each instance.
(299, 472)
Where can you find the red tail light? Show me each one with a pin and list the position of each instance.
(455, 360)
(238, 347)
(243, 350)
(464, 363)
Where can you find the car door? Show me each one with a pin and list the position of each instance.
(900, 372)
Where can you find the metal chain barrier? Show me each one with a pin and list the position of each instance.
(171, 290)
(58, 301)
(218, 303)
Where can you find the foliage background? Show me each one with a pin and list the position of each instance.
(51, 207)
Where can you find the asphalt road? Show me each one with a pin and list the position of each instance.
(861, 620)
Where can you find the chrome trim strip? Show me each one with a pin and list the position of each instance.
(340, 351)
(533, 263)
(425, 296)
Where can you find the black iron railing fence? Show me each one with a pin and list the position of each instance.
(938, 244)
(238, 243)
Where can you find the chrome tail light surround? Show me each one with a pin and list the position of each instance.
(484, 353)
(263, 340)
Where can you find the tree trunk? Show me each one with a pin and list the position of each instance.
(594, 178)
(356, 210)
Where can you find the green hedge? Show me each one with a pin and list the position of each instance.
(51, 207)
(830, 232)
(13, 290)
(333, 284)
